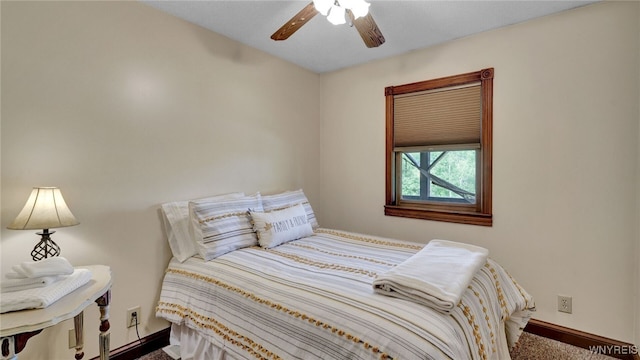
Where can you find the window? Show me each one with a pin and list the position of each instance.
(439, 149)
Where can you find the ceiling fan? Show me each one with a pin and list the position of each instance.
(337, 11)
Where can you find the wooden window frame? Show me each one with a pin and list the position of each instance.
(477, 214)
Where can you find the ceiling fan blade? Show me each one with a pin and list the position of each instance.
(295, 23)
(368, 29)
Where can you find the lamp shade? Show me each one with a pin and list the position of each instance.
(45, 209)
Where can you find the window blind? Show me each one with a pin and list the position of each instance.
(438, 117)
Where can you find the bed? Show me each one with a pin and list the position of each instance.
(313, 297)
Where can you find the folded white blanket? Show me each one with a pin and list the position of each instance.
(43, 296)
(46, 267)
(436, 276)
(9, 285)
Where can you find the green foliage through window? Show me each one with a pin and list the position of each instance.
(439, 175)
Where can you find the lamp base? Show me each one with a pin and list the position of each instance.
(46, 247)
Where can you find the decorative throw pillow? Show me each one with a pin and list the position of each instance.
(280, 226)
(223, 226)
(287, 199)
(176, 224)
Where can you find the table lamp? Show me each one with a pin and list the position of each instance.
(45, 209)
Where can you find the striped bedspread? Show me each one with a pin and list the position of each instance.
(313, 299)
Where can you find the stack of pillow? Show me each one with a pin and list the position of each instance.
(214, 226)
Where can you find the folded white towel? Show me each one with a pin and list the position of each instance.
(46, 267)
(16, 273)
(43, 296)
(435, 276)
(10, 285)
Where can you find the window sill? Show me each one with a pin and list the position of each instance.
(446, 216)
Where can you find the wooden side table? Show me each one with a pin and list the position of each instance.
(18, 326)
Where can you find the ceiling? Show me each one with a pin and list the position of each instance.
(322, 47)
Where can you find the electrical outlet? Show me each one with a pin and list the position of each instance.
(72, 338)
(133, 316)
(564, 304)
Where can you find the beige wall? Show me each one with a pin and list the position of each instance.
(124, 107)
(566, 146)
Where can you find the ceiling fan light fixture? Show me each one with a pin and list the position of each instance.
(323, 6)
(336, 12)
(337, 15)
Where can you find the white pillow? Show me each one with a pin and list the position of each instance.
(176, 225)
(280, 226)
(287, 199)
(223, 226)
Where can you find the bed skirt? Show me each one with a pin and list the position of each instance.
(195, 347)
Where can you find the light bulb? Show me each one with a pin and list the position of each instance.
(323, 6)
(360, 8)
(336, 15)
(347, 4)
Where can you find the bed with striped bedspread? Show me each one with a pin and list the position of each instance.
(313, 299)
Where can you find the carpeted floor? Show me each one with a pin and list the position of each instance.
(533, 347)
(529, 347)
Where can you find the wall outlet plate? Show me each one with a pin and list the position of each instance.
(133, 316)
(564, 304)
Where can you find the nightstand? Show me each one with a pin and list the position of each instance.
(18, 326)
